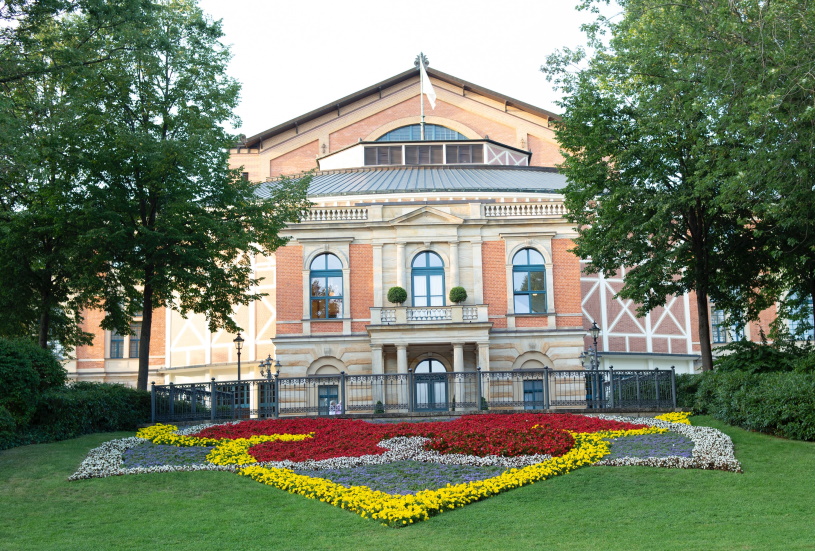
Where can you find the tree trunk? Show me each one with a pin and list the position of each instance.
(146, 331)
(45, 321)
(704, 330)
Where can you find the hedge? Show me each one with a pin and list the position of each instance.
(780, 403)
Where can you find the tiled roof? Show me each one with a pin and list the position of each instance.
(434, 179)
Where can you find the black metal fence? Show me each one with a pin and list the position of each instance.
(544, 389)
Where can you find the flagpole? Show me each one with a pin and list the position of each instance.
(421, 94)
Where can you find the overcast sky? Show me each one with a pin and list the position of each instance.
(293, 56)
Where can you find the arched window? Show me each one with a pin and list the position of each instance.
(428, 279)
(430, 366)
(529, 282)
(414, 132)
(326, 287)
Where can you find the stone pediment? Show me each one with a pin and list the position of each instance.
(426, 216)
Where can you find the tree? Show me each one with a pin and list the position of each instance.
(175, 226)
(650, 147)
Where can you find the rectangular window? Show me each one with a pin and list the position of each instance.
(328, 400)
(117, 345)
(533, 394)
(800, 326)
(423, 155)
(135, 338)
(465, 154)
(383, 155)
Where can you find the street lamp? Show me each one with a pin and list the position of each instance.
(238, 345)
(595, 332)
(267, 363)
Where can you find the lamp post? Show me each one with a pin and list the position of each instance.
(267, 363)
(595, 332)
(238, 345)
(594, 383)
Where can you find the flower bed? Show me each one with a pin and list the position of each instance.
(406, 472)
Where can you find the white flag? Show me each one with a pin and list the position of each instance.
(426, 86)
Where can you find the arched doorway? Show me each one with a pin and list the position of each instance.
(430, 386)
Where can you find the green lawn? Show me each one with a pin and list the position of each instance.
(770, 506)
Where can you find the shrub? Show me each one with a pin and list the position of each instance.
(397, 295)
(19, 381)
(686, 386)
(84, 408)
(458, 294)
(776, 403)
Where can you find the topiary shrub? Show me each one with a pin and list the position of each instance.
(379, 409)
(397, 295)
(458, 294)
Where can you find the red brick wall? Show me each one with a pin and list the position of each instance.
(493, 267)
(362, 280)
(95, 351)
(326, 327)
(544, 153)
(566, 283)
(301, 159)
(531, 321)
(158, 336)
(289, 285)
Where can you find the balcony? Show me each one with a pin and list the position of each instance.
(402, 315)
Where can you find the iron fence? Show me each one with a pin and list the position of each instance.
(342, 394)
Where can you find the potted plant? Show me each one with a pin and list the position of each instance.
(458, 295)
(397, 295)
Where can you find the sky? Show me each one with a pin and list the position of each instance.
(292, 56)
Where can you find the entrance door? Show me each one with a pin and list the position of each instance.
(328, 400)
(430, 386)
(533, 394)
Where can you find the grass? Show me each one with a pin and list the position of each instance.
(770, 506)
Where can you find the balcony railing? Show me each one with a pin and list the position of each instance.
(512, 210)
(432, 314)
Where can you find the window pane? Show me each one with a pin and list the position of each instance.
(335, 308)
(318, 286)
(434, 260)
(535, 257)
(334, 286)
(332, 262)
(420, 261)
(536, 281)
(420, 286)
(318, 309)
(520, 281)
(436, 285)
(437, 300)
(521, 258)
(318, 263)
(134, 339)
(420, 301)
(478, 153)
(521, 304)
(538, 303)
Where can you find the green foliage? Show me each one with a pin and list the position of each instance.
(458, 294)
(687, 385)
(84, 408)
(752, 357)
(19, 380)
(775, 403)
(484, 405)
(379, 408)
(397, 295)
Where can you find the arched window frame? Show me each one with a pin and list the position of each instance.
(433, 132)
(325, 273)
(426, 273)
(522, 299)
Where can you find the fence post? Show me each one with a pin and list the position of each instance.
(342, 392)
(546, 404)
(656, 384)
(673, 385)
(194, 399)
(172, 401)
(410, 390)
(276, 395)
(213, 400)
(480, 390)
(153, 401)
(611, 386)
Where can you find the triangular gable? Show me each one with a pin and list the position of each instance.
(426, 215)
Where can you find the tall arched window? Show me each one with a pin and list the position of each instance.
(529, 282)
(326, 287)
(427, 272)
(413, 132)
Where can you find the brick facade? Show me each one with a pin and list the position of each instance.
(494, 264)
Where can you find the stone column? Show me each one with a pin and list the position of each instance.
(484, 364)
(377, 368)
(454, 264)
(402, 369)
(458, 367)
(400, 265)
